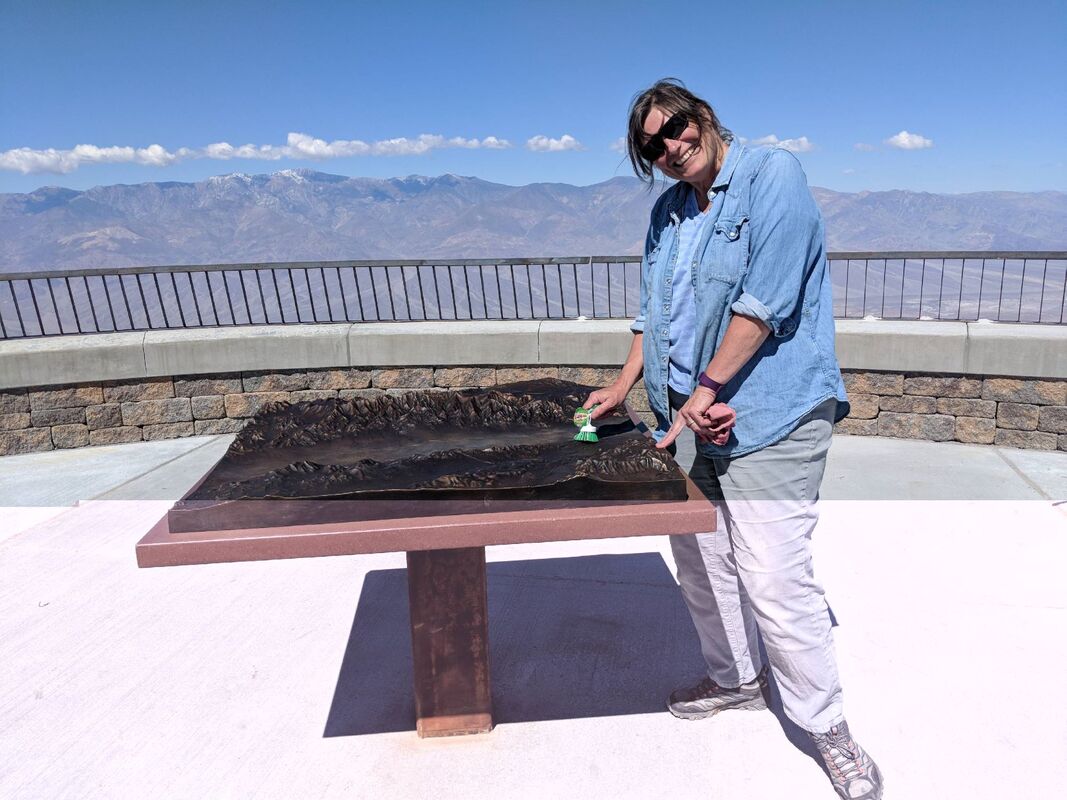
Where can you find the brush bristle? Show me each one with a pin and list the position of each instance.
(586, 436)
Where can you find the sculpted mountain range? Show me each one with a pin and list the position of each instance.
(303, 215)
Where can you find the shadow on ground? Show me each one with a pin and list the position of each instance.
(569, 638)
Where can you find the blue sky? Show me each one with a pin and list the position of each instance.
(978, 87)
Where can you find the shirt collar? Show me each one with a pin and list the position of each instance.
(729, 164)
(676, 205)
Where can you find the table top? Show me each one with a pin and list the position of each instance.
(445, 527)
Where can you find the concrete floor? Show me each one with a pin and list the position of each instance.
(289, 679)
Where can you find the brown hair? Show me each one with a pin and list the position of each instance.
(670, 95)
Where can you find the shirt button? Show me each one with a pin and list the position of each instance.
(732, 234)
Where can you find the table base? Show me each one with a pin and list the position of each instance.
(450, 641)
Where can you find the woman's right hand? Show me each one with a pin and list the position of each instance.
(605, 400)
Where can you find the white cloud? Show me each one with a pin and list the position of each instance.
(619, 145)
(298, 146)
(542, 144)
(848, 171)
(909, 141)
(798, 145)
(863, 147)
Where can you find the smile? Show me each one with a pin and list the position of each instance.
(688, 154)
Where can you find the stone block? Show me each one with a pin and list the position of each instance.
(1037, 351)
(420, 391)
(57, 416)
(648, 418)
(14, 401)
(356, 394)
(1062, 442)
(1013, 390)
(67, 436)
(517, 374)
(151, 389)
(908, 404)
(864, 406)
(638, 397)
(874, 382)
(274, 381)
(1053, 419)
(169, 430)
(71, 359)
(407, 378)
(68, 397)
(975, 430)
(210, 427)
(932, 427)
(582, 343)
(311, 394)
(908, 346)
(245, 405)
(339, 379)
(464, 376)
(1017, 416)
(123, 435)
(210, 406)
(108, 415)
(960, 407)
(444, 344)
(1027, 440)
(200, 387)
(947, 386)
(247, 349)
(157, 412)
(857, 427)
(14, 421)
(31, 440)
(590, 376)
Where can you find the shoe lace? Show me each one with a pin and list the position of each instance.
(706, 687)
(842, 751)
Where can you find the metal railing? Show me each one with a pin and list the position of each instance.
(1027, 287)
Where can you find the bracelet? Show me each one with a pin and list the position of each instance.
(708, 383)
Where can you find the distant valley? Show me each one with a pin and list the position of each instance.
(303, 215)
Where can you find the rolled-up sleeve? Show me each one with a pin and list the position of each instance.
(785, 239)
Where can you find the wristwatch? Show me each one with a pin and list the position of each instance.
(708, 383)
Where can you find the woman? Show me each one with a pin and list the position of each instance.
(736, 313)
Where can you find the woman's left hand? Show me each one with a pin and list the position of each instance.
(710, 421)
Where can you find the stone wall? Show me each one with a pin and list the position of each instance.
(1002, 411)
(1010, 412)
(113, 412)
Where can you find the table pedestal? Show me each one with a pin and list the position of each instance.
(450, 641)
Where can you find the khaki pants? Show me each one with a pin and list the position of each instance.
(753, 575)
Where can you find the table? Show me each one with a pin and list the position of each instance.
(445, 546)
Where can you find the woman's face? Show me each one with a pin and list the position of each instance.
(686, 158)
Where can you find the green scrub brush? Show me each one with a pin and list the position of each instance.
(588, 430)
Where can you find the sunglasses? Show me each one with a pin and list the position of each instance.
(671, 129)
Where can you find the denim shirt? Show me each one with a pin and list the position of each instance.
(761, 254)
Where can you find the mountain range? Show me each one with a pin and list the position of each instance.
(304, 215)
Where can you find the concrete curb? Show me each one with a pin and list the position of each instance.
(962, 348)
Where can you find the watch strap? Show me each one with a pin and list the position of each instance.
(708, 383)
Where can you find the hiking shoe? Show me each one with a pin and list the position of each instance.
(708, 698)
(854, 775)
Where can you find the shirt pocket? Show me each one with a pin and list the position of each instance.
(726, 256)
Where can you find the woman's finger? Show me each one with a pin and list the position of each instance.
(607, 403)
(699, 422)
(672, 434)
